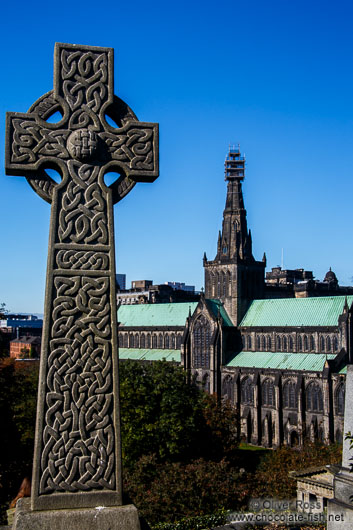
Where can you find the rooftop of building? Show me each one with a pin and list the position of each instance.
(296, 312)
(311, 362)
(149, 355)
(157, 315)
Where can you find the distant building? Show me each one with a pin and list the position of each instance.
(142, 285)
(314, 488)
(301, 284)
(20, 325)
(120, 281)
(25, 348)
(144, 292)
(181, 286)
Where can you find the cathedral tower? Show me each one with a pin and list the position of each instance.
(234, 277)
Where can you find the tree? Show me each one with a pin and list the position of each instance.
(18, 392)
(164, 415)
(3, 310)
(161, 413)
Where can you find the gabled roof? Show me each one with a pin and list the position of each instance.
(216, 307)
(295, 312)
(156, 315)
(312, 362)
(149, 355)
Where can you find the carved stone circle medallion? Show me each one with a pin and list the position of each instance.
(82, 144)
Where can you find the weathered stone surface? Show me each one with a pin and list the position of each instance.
(99, 518)
(340, 508)
(77, 462)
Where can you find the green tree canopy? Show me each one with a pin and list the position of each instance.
(164, 415)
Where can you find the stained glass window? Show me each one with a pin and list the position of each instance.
(289, 400)
(202, 339)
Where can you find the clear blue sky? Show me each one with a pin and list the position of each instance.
(274, 76)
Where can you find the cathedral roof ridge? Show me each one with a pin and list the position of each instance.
(168, 314)
(295, 312)
(309, 362)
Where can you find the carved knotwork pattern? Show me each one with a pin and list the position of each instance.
(82, 260)
(83, 212)
(84, 78)
(134, 148)
(31, 141)
(78, 437)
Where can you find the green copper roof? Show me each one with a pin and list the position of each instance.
(216, 306)
(293, 312)
(155, 314)
(343, 370)
(149, 355)
(281, 361)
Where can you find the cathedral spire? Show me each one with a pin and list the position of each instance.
(235, 240)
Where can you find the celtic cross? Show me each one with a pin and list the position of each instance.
(77, 461)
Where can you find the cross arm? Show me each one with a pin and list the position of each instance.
(134, 148)
(29, 144)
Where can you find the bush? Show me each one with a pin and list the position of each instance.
(171, 491)
(271, 478)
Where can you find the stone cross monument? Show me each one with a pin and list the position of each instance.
(77, 461)
(340, 508)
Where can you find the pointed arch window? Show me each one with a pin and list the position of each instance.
(300, 343)
(126, 340)
(148, 340)
(268, 393)
(312, 343)
(335, 343)
(166, 342)
(229, 283)
(249, 342)
(206, 383)
(290, 343)
(218, 285)
(172, 341)
(160, 341)
(340, 399)
(322, 343)
(178, 341)
(213, 284)
(258, 342)
(132, 341)
(137, 341)
(202, 342)
(247, 391)
(142, 341)
(284, 343)
(289, 399)
(224, 285)
(154, 341)
(269, 343)
(228, 388)
(314, 401)
(278, 343)
(328, 343)
(306, 346)
(263, 342)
